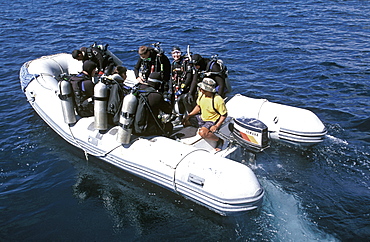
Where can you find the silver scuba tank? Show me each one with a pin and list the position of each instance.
(126, 120)
(116, 60)
(66, 100)
(228, 85)
(100, 106)
(176, 106)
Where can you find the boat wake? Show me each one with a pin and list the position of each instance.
(281, 218)
(337, 140)
(285, 217)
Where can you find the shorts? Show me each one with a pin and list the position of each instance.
(196, 121)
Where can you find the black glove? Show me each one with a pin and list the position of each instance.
(190, 98)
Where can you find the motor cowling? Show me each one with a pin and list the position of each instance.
(100, 106)
(126, 120)
(66, 98)
(250, 133)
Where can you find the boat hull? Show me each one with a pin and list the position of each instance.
(194, 170)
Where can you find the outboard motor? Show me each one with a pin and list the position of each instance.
(126, 120)
(66, 98)
(250, 133)
(100, 106)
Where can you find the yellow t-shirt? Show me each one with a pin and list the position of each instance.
(208, 113)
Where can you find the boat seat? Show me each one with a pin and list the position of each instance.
(188, 135)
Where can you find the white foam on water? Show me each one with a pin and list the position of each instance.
(337, 140)
(284, 214)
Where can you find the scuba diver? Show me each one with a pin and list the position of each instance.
(119, 74)
(154, 60)
(83, 88)
(95, 53)
(181, 79)
(211, 68)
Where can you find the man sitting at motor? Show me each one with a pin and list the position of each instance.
(209, 113)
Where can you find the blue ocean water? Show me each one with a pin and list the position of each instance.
(306, 53)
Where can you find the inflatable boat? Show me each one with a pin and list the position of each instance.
(183, 163)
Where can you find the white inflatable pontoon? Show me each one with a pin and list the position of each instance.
(285, 123)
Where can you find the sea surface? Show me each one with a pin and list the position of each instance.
(312, 54)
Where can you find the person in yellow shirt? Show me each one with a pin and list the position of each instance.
(209, 113)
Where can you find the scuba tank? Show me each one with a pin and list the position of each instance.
(176, 103)
(126, 120)
(66, 98)
(100, 106)
(228, 85)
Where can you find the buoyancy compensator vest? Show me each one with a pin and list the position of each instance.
(145, 122)
(84, 107)
(217, 72)
(223, 72)
(146, 67)
(117, 92)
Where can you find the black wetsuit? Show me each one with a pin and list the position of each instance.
(182, 72)
(155, 64)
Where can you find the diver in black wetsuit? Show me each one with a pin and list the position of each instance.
(83, 89)
(154, 60)
(182, 75)
(205, 67)
(93, 54)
